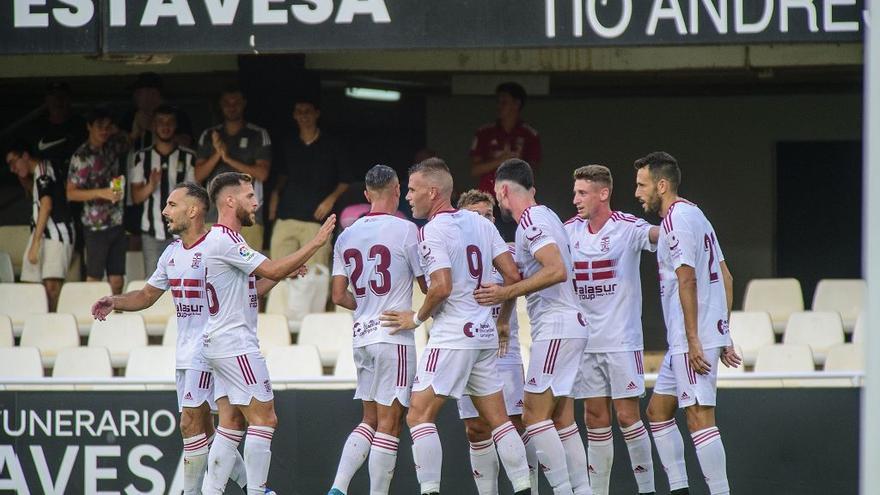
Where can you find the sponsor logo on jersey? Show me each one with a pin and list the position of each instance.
(185, 310)
(197, 260)
(468, 330)
(582, 320)
(590, 292)
(361, 330)
(479, 330)
(246, 253)
(723, 326)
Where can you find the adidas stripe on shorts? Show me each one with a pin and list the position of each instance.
(194, 388)
(677, 378)
(555, 364)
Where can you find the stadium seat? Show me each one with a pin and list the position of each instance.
(294, 361)
(169, 337)
(50, 333)
(272, 331)
(345, 367)
(818, 329)
(20, 362)
(417, 297)
(846, 296)
(134, 266)
(858, 334)
(151, 362)
(82, 362)
(782, 358)
(119, 333)
(329, 332)
(778, 296)
(750, 331)
(77, 299)
(276, 302)
(525, 325)
(156, 316)
(7, 273)
(18, 301)
(6, 338)
(13, 240)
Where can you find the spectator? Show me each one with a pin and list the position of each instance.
(95, 180)
(313, 176)
(236, 146)
(50, 247)
(508, 137)
(169, 164)
(57, 136)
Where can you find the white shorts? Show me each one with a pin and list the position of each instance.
(512, 376)
(555, 364)
(385, 372)
(194, 388)
(55, 258)
(676, 378)
(242, 378)
(457, 372)
(618, 375)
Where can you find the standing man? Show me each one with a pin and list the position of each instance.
(230, 343)
(696, 290)
(508, 137)
(50, 247)
(559, 329)
(484, 457)
(457, 248)
(156, 171)
(95, 179)
(378, 257)
(237, 146)
(312, 179)
(606, 247)
(57, 136)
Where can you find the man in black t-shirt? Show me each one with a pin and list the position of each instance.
(313, 176)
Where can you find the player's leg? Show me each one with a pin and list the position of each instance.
(255, 399)
(512, 376)
(539, 404)
(508, 443)
(628, 385)
(667, 437)
(196, 440)
(224, 454)
(531, 453)
(239, 473)
(701, 424)
(483, 455)
(356, 449)
(600, 444)
(573, 445)
(397, 365)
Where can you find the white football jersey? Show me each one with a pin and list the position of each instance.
(687, 238)
(379, 255)
(554, 311)
(231, 290)
(182, 270)
(607, 280)
(513, 355)
(465, 243)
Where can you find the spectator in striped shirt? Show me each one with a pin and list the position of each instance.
(155, 172)
(50, 246)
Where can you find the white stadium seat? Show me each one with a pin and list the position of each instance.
(18, 301)
(276, 302)
(345, 367)
(294, 361)
(83, 362)
(750, 331)
(151, 362)
(6, 337)
(818, 329)
(134, 266)
(845, 357)
(7, 273)
(77, 299)
(50, 333)
(272, 331)
(119, 333)
(786, 358)
(778, 296)
(157, 315)
(169, 337)
(846, 296)
(329, 332)
(13, 240)
(20, 362)
(858, 335)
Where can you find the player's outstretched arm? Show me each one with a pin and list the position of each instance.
(264, 285)
(279, 269)
(135, 300)
(340, 293)
(438, 292)
(552, 272)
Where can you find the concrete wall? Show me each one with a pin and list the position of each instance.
(725, 146)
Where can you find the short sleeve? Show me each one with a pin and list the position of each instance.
(136, 174)
(75, 173)
(206, 147)
(338, 265)
(432, 251)
(241, 256)
(159, 278)
(641, 236)
(682, 244)
(536, 233)
(264, 147)
(718, 248)
(411, 250)
(189, 171)
(45, 183)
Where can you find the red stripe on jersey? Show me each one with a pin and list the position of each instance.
(175, 282)
(193, 282)
(582, 276)
(192, 294)
(604, 275)
(603, 264)
(177, 293)
(582, 265)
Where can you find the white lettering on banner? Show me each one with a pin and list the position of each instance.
(92, 473)
(550, 18)
(78, 14)
(812, 18)
(317, 12)
(9, 462)
(658, 11)
(148, 473)
(222, 13)
(81, 423)
(59, 485)
(832, 26)
(613, 31)
(117, 13)
(25, 18)
(374, 8)
(718, 14)
(265, 14)
(179, 9)
(742, 27)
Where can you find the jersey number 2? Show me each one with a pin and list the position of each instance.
(381, 283)
(709, 242)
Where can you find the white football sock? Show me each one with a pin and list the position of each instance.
(600, 445)
(513, 455)
(258, 457)
(713, 461)
(551, 456)
(575, 459)
(429, 455)
(195, 461)
(383, 458)
(670, 447)
(639, 446)
(485, 467)
(354, 453)
(221, 460)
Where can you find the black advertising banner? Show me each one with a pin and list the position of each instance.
(248, 26)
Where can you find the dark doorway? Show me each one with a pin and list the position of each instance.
(818, 211)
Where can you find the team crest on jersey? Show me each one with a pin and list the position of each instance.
(605, 244)
(267, 385)
(197, 260)
(246, 253)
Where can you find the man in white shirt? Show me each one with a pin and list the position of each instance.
(457, 249)
(606, 247)
(230, 339)
(378, 257)
(559, 329)
(696, 291)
